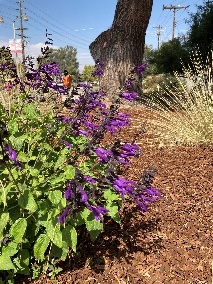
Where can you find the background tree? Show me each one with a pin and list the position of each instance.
(148, 57)
(168, 58)
(67, 58)
(201, 28)
(121, 47)
(7, 64)
(87, 74)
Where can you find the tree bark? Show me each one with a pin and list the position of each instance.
(121, 47)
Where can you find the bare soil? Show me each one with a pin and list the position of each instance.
(171, 242)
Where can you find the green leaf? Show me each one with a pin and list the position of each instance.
(22, 157)
(14, 214)
(61, 159)
(22, 262)
(57, 179)
(60, 253)
(55, 196)
(18, 141)
(85, 213)
(11, 249)
(3, 221)
(34, 172)
(109, 195)
(18, 229)
(15, 173)
(113, 211)
(5, 262)
(44, 206)
(40, 246)
(27, 201)
(30, 111)
(69, 172)
(12, 126)
(25, 256)
(54, 233)
(94, 227)
(70, 236)
(3, 194)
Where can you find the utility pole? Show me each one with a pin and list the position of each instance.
(21, 16)
(174, 8)
(158, 33)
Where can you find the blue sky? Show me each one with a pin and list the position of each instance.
(79, 22)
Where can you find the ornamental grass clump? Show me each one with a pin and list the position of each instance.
(56, 177)
(184, 115)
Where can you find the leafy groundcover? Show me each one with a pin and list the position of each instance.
(171, 242)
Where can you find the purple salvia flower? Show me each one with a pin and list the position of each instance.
(116, 124)
(68, 194)
(98, 211)
(103, 154)
(128, 83)
(13, 156)
(85, 86)
(99, 63)
(84, 196)
(98, 73)
(111, 129)
(64, 119)
(12, 153)
(22, 87)
(91, 126)
(141, 205)
(69, 146)
(129, 96)
(146, 200)
(49, 270)
(140, 69)
(83, 132)
(130, 147)
(124, 115)
(62, 217)
(90, 180)
(123, 186)
(152, 191)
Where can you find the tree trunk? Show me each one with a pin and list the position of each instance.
(121, 47)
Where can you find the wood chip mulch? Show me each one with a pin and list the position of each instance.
(170, 243)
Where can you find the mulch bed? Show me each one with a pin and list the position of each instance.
(171, 242)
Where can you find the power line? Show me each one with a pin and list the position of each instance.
(53, 25)
(46, 21)
(61, 40)
(174, 8)
(158, 33)
(56, 20)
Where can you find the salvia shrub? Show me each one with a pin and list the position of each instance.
(58, 174)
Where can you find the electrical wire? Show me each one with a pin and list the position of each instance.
(56, 27)
(61, 40)
(54, 31)
(55, 20)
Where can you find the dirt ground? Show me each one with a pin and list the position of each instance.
(170, 243)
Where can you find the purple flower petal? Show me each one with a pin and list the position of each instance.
(62, 217)
(68, 194)
(67, 144)
(13, 156)
(90, 180)
(84, 196)
(97, 211)
(103, 154)
(129, 96)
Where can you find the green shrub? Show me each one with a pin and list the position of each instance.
(56, 178)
